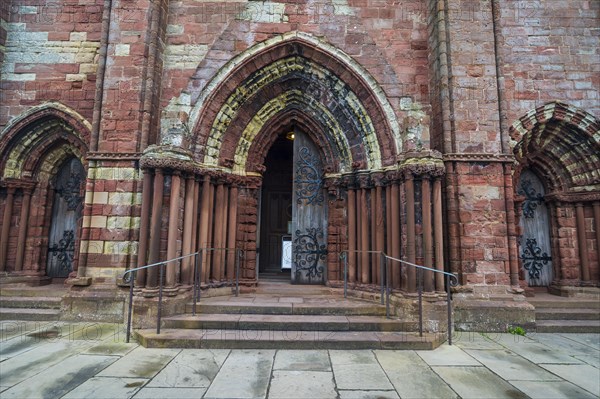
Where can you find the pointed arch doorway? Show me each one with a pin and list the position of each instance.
(293, 212)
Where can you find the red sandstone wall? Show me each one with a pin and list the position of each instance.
(388, 38)
(50, 55)
(550, 50)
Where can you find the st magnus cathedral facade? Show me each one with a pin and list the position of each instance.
(461, 135)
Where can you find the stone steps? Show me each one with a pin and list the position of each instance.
(565, 303)
(21, 302)
(288, 322)
(566, 314)
(287, 339)
(29, 314)
(347, 308)
(555, 314)
(568, 326)
(273, 321)
(30, 302)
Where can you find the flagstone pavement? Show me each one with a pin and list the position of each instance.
(89, 360)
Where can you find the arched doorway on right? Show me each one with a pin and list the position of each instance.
(557, 198)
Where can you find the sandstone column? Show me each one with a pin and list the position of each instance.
(232, 233)
(155, 228)
(171, 280)
(142, 258)
(23, 224)
(410, 232)
(351, 234)
(8, 208)
(188, 222)
(427, 233)
(583, 249)
(438, 232)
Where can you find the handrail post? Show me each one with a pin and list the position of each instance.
(381, 273)
(160, 293)
(195, 284)
(387, 290)
(448, 299)
(200, 265)
(131, 277)
(345, 274)
(420, 290)
(237, 271)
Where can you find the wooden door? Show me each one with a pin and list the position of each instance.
(535, 251)
(276, 215)
(66, 211)
(309, 215)
(276, 206)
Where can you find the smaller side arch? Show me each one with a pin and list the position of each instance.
(28, 138)
(561, 141)
(33, 148)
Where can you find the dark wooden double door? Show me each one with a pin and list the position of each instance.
(294, 209)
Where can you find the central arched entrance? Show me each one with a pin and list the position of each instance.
(293, 221)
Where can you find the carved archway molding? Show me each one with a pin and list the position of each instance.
(299, 42)
(560, 142)
(39, 136)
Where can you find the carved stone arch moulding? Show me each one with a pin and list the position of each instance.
(562, 144)
(27, 142)
(218, 105)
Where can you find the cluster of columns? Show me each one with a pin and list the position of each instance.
(382, 217)
(208, 226)
(14, 188)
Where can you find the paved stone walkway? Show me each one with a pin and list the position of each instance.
(79, 360)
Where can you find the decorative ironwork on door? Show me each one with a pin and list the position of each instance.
(534, 259)
(308, 252)
(309, 215)
(308, 181)
(64, 251)
(534, 245)
(66, 212)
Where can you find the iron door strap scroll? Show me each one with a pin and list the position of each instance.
(64, 251)
(308, 251)
(533, 258)
(308, 181)
(70, 191)
(532, 198)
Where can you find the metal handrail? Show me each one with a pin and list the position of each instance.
(129, 276)
(451, 281)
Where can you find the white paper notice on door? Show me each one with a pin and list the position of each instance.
(286, 252)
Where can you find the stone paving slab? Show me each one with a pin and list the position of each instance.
(286, 384)
(474, 340)
(358, 370)
(107, 388)
(448, 356)
(74, 371)
(245, 374)
(170, 393)
(193, 368)
(28, 364)
(477, 383)
(412, 377)
(551, 390)
(368, 395)
(582, 375)
(511, 366)
(308, 360)
(73, 360)
(13, 328)
(140, 363)
(534, 351)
